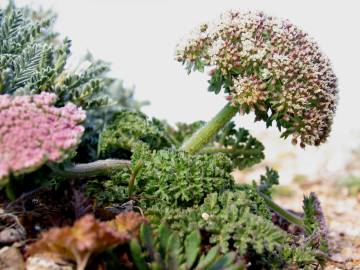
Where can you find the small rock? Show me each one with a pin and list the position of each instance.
(11, 259)
(11, 230)
(350, 253)
(39, 262)
(205, 216)
(338, 258)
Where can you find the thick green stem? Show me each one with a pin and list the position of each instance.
(207, 132)
(99, 167)
(282, 212)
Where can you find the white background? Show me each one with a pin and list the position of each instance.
(139, 37)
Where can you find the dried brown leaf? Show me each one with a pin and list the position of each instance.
(77, 243)
(88, 236)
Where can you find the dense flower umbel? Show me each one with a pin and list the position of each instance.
(33, 131)
(269, 66)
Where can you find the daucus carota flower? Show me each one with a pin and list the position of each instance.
(269, 66)
(33, 131)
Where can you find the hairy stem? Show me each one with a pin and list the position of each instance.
(99, 167)
(282, 212)
(204, 135)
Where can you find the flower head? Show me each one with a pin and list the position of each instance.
(33, 131)
(268, 66)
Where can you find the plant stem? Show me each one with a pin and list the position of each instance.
(99, 167)
(135, 172)
(282, 212)
(207, 132)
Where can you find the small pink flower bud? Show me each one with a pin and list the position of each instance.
(212, 72)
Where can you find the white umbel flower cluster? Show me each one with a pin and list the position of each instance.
(269, 66)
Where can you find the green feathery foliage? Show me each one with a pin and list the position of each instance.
(164, 250)
(110, 191)
(243, 149)
(258, 205)
(172, 177)
(268, 180)
(128, 128)
(177, 178)
(315, 225)
(31, 64)
(310, 220)
(196, 192)
(291, 256)
(227, 218)
(298, 257)
(234, 218)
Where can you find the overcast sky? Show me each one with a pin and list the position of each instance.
(139, 37)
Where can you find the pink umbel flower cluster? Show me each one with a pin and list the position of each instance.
(33, 131)
(268, 66)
